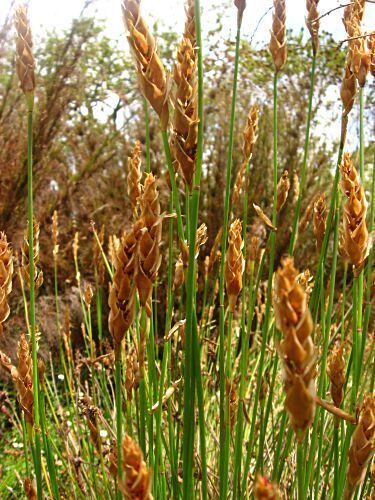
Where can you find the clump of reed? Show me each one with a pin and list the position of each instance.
(228, 347)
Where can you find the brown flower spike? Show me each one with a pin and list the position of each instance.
(6, 273)
(264, 489)
(24, 45)
(336, 374)
(319, 220)
(362, 447)
(148, 233)
(134, 175)
(234, 264)
(278, 42)
(185, 125)
(122, 293)
(151, 71)
(136, 483)
(25, 269)
(312, 23)
(282, 190)
(355, 233)
(294, 319)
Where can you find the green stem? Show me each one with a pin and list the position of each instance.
(305, 158)
(222, 261)
(269, 291)
(300, 470)
(225, 452)
(118, 414)
(34, 346)
(190, 332)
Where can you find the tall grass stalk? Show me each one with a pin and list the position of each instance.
(305, 159)
(34, 346)
(191, 333)
(223, 484)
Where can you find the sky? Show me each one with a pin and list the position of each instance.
(47, 14)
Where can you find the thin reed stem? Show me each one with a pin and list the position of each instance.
(305, 160)
(222, 262)
(34, 346)
(118, 396)
(190, 332)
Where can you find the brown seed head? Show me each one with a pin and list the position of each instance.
(362, 447)
(336, 373)
(355, 233)
(122, 292)
(148, 233)
(185, 124)
(358, 58)
(250, 133)
(320, 219)
(24, 382)
(215, 250)
(137, 477)
(29, 488)
(234, 263)
(151, 73)
(134, 175)
(55, 233)
(264, 489)
(98, 257)
(190, 30)
(312, 23)
(241, 6)
(24, 45)
(6, 273)
(277, 44)
(371, 49)
(282, 190)
(25, 269)
(294, 319)
(237, 188)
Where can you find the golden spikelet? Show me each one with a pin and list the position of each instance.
(151, 73)
(282, 190)
(24, 44)
(234, 264)
(121, 299)
(371, 49)
(190, 29)
(98, 257)
(305, 219)
(215, 251)
(277, 44)
(148, 233)
(241, 6)
(264, 489)
(134, 175)
(250, 133)
(336, 373)
(179, 274)
(362, 447)
(232, 395)
(312, 23)
(25, 269)
(55, 233)
(185, 124)
(136, 483)
(237, 188)
(294, 319)
(24, 382)
(355, 233)
(6, 273)
(131, 373)
(319, 220)
(29, 489)
(91, 413)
